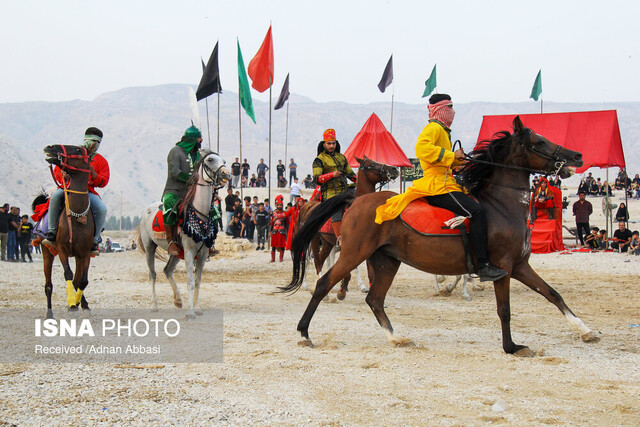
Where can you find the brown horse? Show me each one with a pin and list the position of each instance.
(499, 177)
(370, 174)
(75, 227)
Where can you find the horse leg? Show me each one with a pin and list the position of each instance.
(465, 286)
(168, 272)
(524, 273)
(150, 255)
(68, 276)
(202, 258)
(386, 268)
(363, 288)
(451, 286)
(189, 265)
(504, 312)
(82, 280)
(47, 259)
(323, 286)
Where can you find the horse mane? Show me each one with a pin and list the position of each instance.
(187, 199)
(473, 176)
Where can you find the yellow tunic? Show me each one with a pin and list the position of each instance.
(436, 158)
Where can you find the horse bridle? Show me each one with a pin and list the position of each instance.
(213, 180)
(379, 169)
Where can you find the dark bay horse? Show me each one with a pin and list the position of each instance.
(370, 174)
(75, 227)
(499, 177)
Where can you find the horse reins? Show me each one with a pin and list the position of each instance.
(380, 170)
(62, 158)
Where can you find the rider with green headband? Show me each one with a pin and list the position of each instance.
(180, 165)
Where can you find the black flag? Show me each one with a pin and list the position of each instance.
(387, 76)
(284, 94)
(210, 82)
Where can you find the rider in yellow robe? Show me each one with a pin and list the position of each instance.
(434, 150)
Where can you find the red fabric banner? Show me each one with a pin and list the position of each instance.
(546, 235)
(261, 66)
(596, 134)
(375, 142)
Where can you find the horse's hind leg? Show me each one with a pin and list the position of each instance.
(385, 268)
(151, 264)
(524, 273)
(82, 280)
(202, 258)
(47, 259)
(189, 265)
(168, 271)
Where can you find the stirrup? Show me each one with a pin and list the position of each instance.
(176, 251)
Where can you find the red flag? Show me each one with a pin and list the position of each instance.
(261, 66)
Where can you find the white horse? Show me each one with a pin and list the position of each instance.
(210, 172)
(446, 291)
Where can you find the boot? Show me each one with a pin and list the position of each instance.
(490, 273)
(50, 240)
(213, 251)
(174, 248)
(550, 213)
(273, 255)
(95, 251)
(281, 255)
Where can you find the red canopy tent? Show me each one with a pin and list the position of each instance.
(595, 134)
(375, 142)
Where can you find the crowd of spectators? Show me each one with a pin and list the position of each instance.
(241, 174)
(16, 234)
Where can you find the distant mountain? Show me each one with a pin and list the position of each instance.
(142, 124)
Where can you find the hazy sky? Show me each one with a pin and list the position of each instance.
(55, 50)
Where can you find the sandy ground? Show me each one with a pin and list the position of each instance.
(453, 374)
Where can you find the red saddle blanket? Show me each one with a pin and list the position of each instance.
(158, 227)
(420, 216)
(327, 227)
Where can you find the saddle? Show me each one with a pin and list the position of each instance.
(429, 220)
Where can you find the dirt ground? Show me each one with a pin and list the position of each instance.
(453, 375)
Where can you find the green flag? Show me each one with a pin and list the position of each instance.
(243, 83)
(431, 83)
(536, 90)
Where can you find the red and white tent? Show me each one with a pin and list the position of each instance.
(375, 142)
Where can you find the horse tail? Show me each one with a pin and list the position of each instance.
(306, 233)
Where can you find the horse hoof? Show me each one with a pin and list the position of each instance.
(402, 342)
(178, 304)
(467, 298)
(49, 314)
(190, 317)
(444, 292)
(364, 290)
(199, 313)
(590, 337)
(73, 308)
(478, 288)
(525, 352)
(342, 293)
(305, 343)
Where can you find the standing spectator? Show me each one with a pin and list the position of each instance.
(262, 224)
(229, 207)
(582, 209)
(296, 192)
(556, 182)
(308, 181)
(262, 173)
(237, 209)
(621, 238)
(4, 230)
(245, 170)
(280, 169)
(293, 172)
(13, 251)
(267, 207)
(246, 219)
(565, 206)
(235, 172)
(25, 238)
(622, 214)
(252, 222)
(218, 205)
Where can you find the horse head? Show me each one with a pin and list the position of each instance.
(70, 158)
(212, 169)
(378, 172)
(543, 155)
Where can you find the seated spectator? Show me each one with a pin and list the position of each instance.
(601, 240)
(235, 228)
(603, 189)
(253, 182)
(262, 182)
(621, 238)
(622, 214)
(542, 199)
(635, 243)
(282, 182)
(591, 240)
(308, 181)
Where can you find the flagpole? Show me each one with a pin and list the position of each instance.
(218, 145)
(393, 93)
(540, 104)
(270, 143)
(286, 136)
(240, 134)
(206, 101)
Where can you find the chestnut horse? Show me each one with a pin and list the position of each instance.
(498, 176)
(75, 227)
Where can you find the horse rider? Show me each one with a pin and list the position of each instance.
(98, 178)
(331, 170)
(438, 185)
(181, 162)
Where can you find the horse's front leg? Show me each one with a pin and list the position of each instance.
(82, 280)
(47, 258)
(168, 272)
(189, 256)
(524, 273)
(202, 258)
(68, 277)
(504, 312)
(465, 286)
